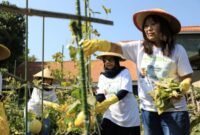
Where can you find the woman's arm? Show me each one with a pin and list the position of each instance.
(91, 46)
(116, 48)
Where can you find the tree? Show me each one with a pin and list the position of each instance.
(59, 74)
(12, 35)
(32, 58)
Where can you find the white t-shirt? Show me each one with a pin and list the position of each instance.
(125, 112)
(157, 66)
(35, 102)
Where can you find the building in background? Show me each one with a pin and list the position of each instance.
(189, 37)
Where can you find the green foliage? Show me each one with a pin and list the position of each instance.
(15, 116)
(166, 90)
(13, 83)
(14, 112)
(73, 26)
(194, 115)
(73, 52)
(197, 93)
(74, 107)
(12, 35)
(107, 10)
(195, 123)
(58, 57)
(32, 58)
(58, 74)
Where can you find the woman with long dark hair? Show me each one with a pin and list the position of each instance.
(158, 56)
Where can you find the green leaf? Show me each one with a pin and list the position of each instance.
(73, 108)
(96, 33)
(91, 100)
(107, 10)
(73, 52)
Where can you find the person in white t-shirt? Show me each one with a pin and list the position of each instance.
(116, 99)
(35, 102)
(157, 56)
(4, 126)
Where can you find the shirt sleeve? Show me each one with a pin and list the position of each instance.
(121, 94)
(183, 63)
(130, 49)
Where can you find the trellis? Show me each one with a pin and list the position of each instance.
(41, 13)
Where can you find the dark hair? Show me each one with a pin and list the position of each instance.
(167, 40)
(116, 60)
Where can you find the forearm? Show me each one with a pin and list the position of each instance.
(121, 94)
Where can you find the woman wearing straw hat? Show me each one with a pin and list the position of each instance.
(4, 54)
(116, 99)
(158, 56)
(4, 127)
(35, 102)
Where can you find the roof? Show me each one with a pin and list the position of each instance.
(71, 69)
(190, 30)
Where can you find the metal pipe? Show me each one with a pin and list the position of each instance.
(42, 13)
(25, 74)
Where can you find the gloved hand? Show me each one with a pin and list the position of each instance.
(79, 121)
(185, 85)
(53, 105)
(103, 106)
(91, 46)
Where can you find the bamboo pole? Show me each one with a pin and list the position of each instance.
(88, 34)
(83, 76)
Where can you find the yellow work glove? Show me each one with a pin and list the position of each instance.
(79, 121)
(103, 106)
(53, 105)
(91, 46)
(185, 85)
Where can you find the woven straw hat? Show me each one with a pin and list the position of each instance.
(4, 52)
(111, 54)
(139, 17)
(47, 74)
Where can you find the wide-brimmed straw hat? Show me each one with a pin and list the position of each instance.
(139, 17)
(121, 58)
(4, 52)
(47, 74)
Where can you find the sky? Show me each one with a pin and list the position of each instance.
(57, 34)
